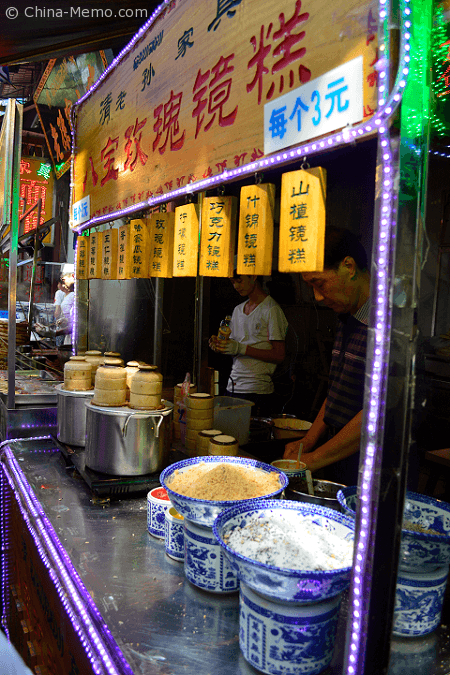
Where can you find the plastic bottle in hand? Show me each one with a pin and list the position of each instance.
(224, 330)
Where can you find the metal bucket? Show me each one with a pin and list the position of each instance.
(126, 442)
(72, 415)
(325, 492)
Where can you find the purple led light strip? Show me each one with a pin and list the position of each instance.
(368, 487)
(82, 611)
(387, 108)
(75, 304)
(4, 520)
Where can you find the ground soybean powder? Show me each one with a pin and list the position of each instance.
(224, 482)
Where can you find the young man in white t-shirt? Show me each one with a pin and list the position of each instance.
(257, 344)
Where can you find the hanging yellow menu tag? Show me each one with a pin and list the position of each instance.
(123, 253)
(138, 249)
(302, 221)
(95, 255)
(82, 257)
(185, 241)
(218, 235)
(161, 228)
(109, 261)
(255, 238)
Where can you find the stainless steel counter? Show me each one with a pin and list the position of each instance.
(162, 624)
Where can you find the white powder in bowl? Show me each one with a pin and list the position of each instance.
(290, 542)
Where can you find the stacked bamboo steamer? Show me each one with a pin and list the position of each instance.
(146, 388)
(77, 374)
(199, 416)
(114, 355)
(177, 411)
(96, 359)
(203, 440)
(131, 368)
(223, 445)
(110, 384)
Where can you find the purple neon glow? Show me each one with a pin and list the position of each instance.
(361, 585)
(6, 584)
(75, 304)
(387, 108)
(100, 647)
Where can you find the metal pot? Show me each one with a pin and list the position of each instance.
(72, 415)
(325, 492)
(126, 442)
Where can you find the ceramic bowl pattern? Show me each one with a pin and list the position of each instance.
(205, 564)
(203, 511)
(174, 536)
(418, 602)
(414, 657)
(276, 583)
(419, 551)
(279, 639)
(156, 514)
(289, 467)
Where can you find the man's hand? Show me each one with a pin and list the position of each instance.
(291, 449)
(232, 348)
(213, 343)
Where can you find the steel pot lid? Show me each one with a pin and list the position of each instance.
(125, 410)
(73, 392)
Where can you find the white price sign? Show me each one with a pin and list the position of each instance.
(81, 211)
(319, 107)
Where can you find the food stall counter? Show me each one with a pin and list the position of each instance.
(99, 594)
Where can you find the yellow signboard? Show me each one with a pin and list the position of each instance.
(95, 255)
(109, 253)
(302, 220)
(138, 249)
(123, 253)
(185, 241)
(82, 257)
(255, 241)
(186, 100)
(161, 228)
(218, 234)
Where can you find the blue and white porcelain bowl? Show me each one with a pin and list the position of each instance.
(348, 500)
(291, 640)
(205, 564)
(174, 534)
(204, 511)
(419, 551)
(418, 602)
(157, 505)
(281, 584)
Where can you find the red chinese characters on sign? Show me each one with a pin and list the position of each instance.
(287, 39)
(166, 116)
(134, 133)
(108, 159)
(25, 167)
(30, 192)
(446, 74)
(94, 175)
(219, 93)
(372, 77)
